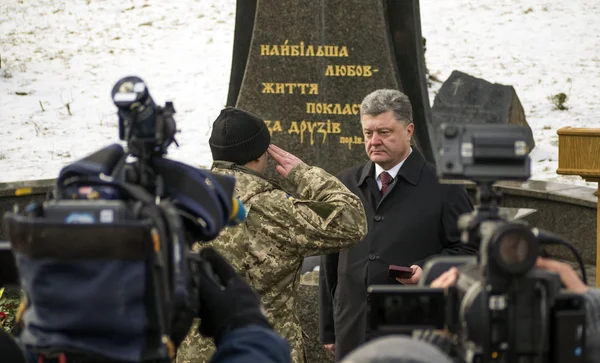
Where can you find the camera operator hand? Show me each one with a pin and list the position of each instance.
(286, 161)
(226, 301)
(446, 279)
(568, 276)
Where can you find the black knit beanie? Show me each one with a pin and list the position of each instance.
(238, 136)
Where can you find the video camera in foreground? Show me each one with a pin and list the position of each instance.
(105, 262)
(502, 308)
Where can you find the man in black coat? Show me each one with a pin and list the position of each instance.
(411, 217)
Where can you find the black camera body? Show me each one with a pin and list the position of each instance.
(502, 308)
(484, 152)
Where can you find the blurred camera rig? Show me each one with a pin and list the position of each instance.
(115, 237)
(502, 308)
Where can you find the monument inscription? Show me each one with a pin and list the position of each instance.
(309, 66)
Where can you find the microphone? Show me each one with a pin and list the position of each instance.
(238, 212)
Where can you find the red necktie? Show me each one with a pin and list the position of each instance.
(386, 179)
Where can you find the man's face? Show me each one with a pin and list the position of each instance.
(387, 140)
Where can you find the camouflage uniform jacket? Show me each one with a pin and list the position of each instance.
(279, 231)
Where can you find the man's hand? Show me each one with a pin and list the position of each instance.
(568, 276)
(286, 161)
(446, 279)
(330, 347)
(414, 279)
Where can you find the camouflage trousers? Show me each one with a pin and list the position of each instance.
(197, 349)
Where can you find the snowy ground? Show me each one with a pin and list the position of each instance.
(59, 53)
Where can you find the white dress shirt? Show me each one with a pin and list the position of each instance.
(393, 171)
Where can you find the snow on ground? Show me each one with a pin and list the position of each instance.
(59, 53)
(72, 52)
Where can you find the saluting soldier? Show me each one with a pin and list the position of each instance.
(279, 231)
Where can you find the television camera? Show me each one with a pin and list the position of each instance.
(105, 262)
(502, 308)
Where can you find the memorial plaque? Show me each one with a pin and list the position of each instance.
(310, 63)
(466, 99)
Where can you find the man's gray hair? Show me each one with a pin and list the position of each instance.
(384, 100)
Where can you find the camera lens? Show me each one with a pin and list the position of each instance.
(137, 110)
(513, 248)
(128, 91)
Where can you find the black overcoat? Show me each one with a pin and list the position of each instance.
(416, 219)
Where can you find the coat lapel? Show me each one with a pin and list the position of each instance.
(368, 185)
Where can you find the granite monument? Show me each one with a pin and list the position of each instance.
(467, 99)
(305, 67)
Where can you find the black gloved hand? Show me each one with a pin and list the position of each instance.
(226, 301)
